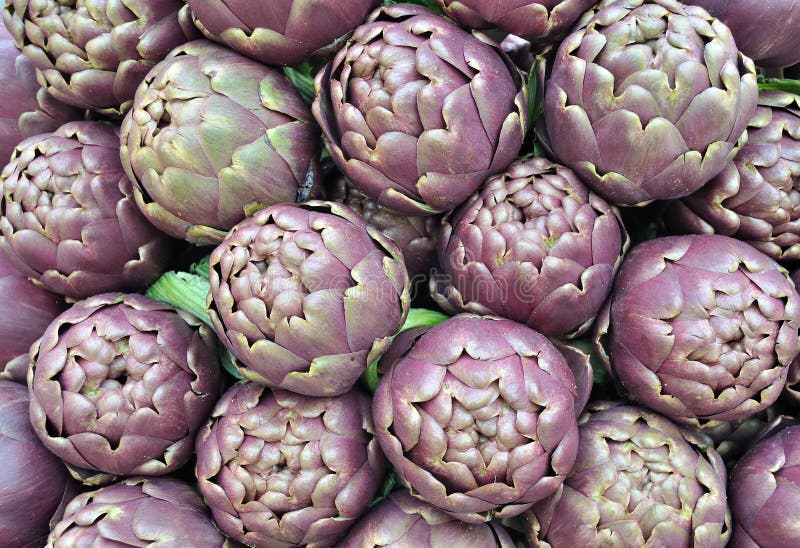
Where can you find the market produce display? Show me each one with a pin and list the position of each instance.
(435, 273)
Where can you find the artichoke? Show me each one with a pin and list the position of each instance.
(307, 296)
(417, 113)
(537, 22)
(764, 31)
(27, 109)
(213, 134)
(121, 383)
(756, 198)
(763, 492)
(94, 53)
(33, 482)
(137, 512)
(639, 480)
(279, 32)
(279, 469)
(477, 416)
(415, 236)
(401, 521)
(69, 221)
(648, 99)
(701, 328)
(535, 245)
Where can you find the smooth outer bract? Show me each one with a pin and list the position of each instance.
(121, 383)
(402, 521)
(138, 512)
(535, 245)
(477, 416)
(538, 22)
(279, 32)
(417, 113)
(69, 220)
(639, 480)
(26, 109)
(701, 328)
(306, 296)
(763, 492)
(648, 100)
(281, 470)
(764, 30)
(211, 135)
(94, 53)
(757, 197)
(33, 482)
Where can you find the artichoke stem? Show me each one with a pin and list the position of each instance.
(184, 291)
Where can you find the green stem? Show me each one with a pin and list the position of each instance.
(303, 82)
(184, 291)
(779, 84)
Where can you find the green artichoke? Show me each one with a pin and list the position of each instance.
(69, 221)
(701, 328)
(306, 296)
(94, 53)
(281, 470)
(535, 245)
(211, 135)
(137, 512)
(756, 198)
(639, 480)
(477, 416)
(279, 32)
(648, 99)
(121, 383)
(417, 113)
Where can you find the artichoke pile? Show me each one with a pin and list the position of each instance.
(436, 273)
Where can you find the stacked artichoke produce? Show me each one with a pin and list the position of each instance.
(490, 273)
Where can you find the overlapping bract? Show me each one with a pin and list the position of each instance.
(279, 469)
(94, 53)
(69, 220)
(536, 21)
(535, 245)
(417, 113)
(757, 197)
(33, 481)
(121, 383)
(402, 520)
(211, 134)
(137, 512)
(639, 480)
(702, 328)
(477, 416)
(306, 296)
(279, 32)
(648, 99)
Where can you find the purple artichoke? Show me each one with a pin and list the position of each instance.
(27, 109)
(121, 383)
(535, 245)
(756, 198)
(137, 512)
(279, 32)
(541, 21)
(279, 469)
(417, 113)
(306, 296)
(639, 480)
(764, 492)
(701, 328)
(647, 100)
(33, 482)
(764, 31)
(211, 135)
(69, 220)
(403, 521)
(477, 416)
(93, 54)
